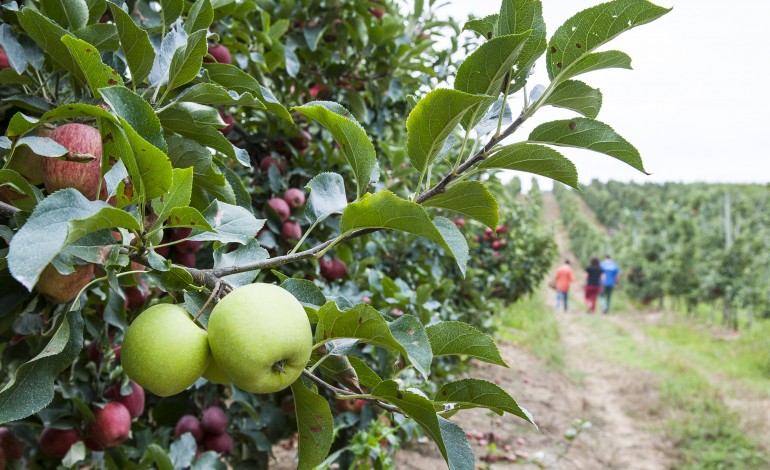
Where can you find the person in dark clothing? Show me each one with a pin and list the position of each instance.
(593, 284)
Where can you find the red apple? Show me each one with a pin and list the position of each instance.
(496, 245)
(230, 121)
(302, 141)
(214, 420)
(502, 229)
(332, 269)
(10, 445)
(81, 167)
(267, 162)
(221, 443)
(186, 259)
(63, 288)
(57, 442)
(377, 12)
(111, 426)
(294, 197)
(280, 207)
(287, 405)
(134, 401)
(191, 424)
(291, 230)
(187, 246)
(4, 64)
(318, 91)
(220, 54)
(460, 222)
(136, 295)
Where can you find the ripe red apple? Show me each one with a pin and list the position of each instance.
(267, 162)
(332, 269)
(186, 259)
(221, 443)
(81, 167)
(220, 54)
(318, 91)
(214, 420)
(12, 447)
(187, 246)
(111, 426)
(134, 401)
(502, 229)
(294, 197)
(63, 288)
(4, 64)
(496, 245)
(460, 222)
(280, 207)
(191, 424)
(230, 121)
(291, 230)
(377, 12)
(287, 405)
(57, 442)
(302, 141)
(136, 295)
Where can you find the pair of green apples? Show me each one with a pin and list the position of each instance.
(259, 338)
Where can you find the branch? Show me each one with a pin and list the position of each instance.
(340, 391)
(7, 211)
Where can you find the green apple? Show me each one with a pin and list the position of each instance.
(164, 351)
(260, 336)
(215, 374)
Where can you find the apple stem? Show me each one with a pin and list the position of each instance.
(278, 366)
(214, 293)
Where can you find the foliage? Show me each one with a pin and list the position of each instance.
(195, 153)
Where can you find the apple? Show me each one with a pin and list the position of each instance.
(287, 405)
(318, 91)
(377, 12)
(496, 245)
(4, 63)
(267, 162)
(280, 207)
(62, 288)
(111, 426)
(291, 230)
(460, 222)
(214, 420)
(191, 424)
(186, 246)
(164, 351)
(81, 168)
(57, 442)
(261, 337)
(186, 259)
(215, 374)
(221, 443)
(12, 447)
(302, 141)
(136, 295)
(220, 54)
(294, 197)
(134, 401)
(332, 269)
(230, 121)
(502, 229)
(349, 405)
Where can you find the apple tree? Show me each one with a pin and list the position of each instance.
(197, 197)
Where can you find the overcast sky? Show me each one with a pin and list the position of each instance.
(696, 105)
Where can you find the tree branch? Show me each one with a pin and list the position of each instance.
(7, 211)
(340, 391)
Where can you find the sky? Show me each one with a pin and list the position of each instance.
(696, 104)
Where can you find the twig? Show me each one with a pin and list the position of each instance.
(7, 210)
(214, 293)
(339, 391)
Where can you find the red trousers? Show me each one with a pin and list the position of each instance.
(592, 293)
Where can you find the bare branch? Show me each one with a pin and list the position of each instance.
(339, 391)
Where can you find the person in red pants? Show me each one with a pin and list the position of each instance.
(593, 284)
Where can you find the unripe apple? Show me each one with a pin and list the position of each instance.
(134, 401)
(294, 197)
(261, 337)
(230, 121)
(280, 207)
(57, 442)
(214, 420)
(291, 230)
(4, 63)
(332, 269)
(164, 351)
(220, 54)
(215, 374)
(191, 424)
(81, 167)
(221, 443)
(111, 426)
(267, 162)
(62, 288)
(12, 447)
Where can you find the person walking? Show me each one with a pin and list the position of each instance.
(562, 280)
(611, 279)
(593, 284)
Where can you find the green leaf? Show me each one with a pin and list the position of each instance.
(47, 35)
(367, 377)
(103, 36)
(200, 17)
(598, 61)
(43, 146)
(213, 94)
(98, 75)
(178, 195)
(410, 333)
(104, 218)
(158, 455)
(170, 10)
(431, 121)
(305, 291)
(455, 240)
(187, 217)
(474, 393)
(233, 78)
(459, 452)
(483, 72)
(470, 198)
(517, 16)
(315, 425)
(72, 14)
(137, 113)
(485, 27)
(115, 146)
(231, 224)
(351, 137)
(32, 387)
(251, 252)
(535, 159)
(360, 322)
(21, 185)
(327, 197)
(589, 29)
(176, 278)
(338, 367)
(458, 338)
(137, 48)
(588, 134)
(183, 450)
(577, 96)
(187, 60)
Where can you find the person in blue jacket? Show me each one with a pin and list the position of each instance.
(610, 279)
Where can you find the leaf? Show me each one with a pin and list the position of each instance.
(32, 387)
(458, 338)
(590, 28)
(577, 96)
(187, 217)
(233, 78)
(171, 42)
(105, 218)
(367, 377)
(315, 425)
(72, 14)
(137, 113)
(410, 333)
(361, 322)
(46, 231)
(485, 27)
(103, 36)
(98, 75)
(213, 94)
(137, 48)
(251, 252)
(171, 9)
(350, 136)
(43, 146)
(327, 197)
(535, 159)
(459, 452)
(470, 198)
(455, 240)
(474, 393)
(588, 134)
(47, 35)
(231, 224)
(183, 451)
(517, 16)
(158, 455)
(14, 51)
(187, 60)
(431, 121)
(305, 291)
(483, 72)
(200, 17)
(177, 197)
